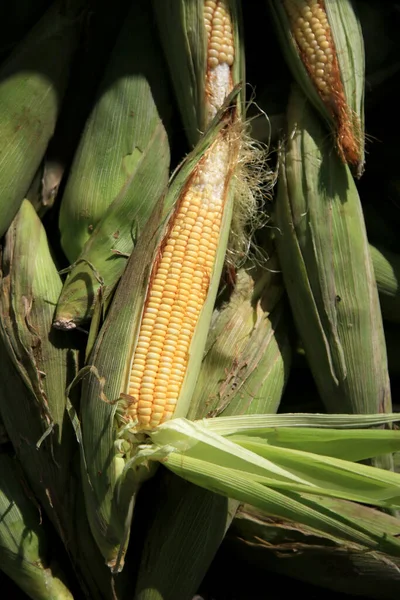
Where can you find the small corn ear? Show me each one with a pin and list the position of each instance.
(112, 418)
(118, 135)
(323, 44)
(327, 268)
(32, 84)
(203, 46)
(25, 555)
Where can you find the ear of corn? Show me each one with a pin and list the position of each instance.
(202, 43)
(387, 274)
(323, 44)
(24, 553)
(127, 118)
(190, 523)
(327, 269)
(32, 84)
(111, 416)
(301, 553)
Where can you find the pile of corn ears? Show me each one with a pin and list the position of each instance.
(199, 297)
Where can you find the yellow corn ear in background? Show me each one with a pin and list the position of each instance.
(32, 84)
(323, 44)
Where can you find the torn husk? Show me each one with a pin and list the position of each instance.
(302, 553)
(323, 44)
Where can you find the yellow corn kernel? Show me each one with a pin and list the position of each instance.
(312, 32)
(220, 53)
(182, 276)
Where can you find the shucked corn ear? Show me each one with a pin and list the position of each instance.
(117, 188)
(327, 269)
(323, 44)
(119, 138)
(32, 84)
(24, 553)
(158, 320)
(39, 363)
(244, 369)
(302, 553)
(202, 44)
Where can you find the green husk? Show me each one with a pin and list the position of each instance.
(349, 45)
(107, 446)
(293, 550)
(39, 363)
(125, 126)
(32, 85)
(183, 22)
(190, 522)
(327, 269)
(24, 553)
(387, 273)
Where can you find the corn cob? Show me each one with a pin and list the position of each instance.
(327, 269)
(127, 116)
(24, 552)
(39, 364)
(206, 58)
(111, 427)
(387, 268)
(323, 44)
(30, 102)
(135, 177)
(279, 546)
(190, 522)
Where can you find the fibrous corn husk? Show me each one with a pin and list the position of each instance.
(327, 269)
(39, 363)
(244, 370)
(115, 182)
(120, 135)
(343, 107)
(24, 552)
(32, 85)
(288, 548)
